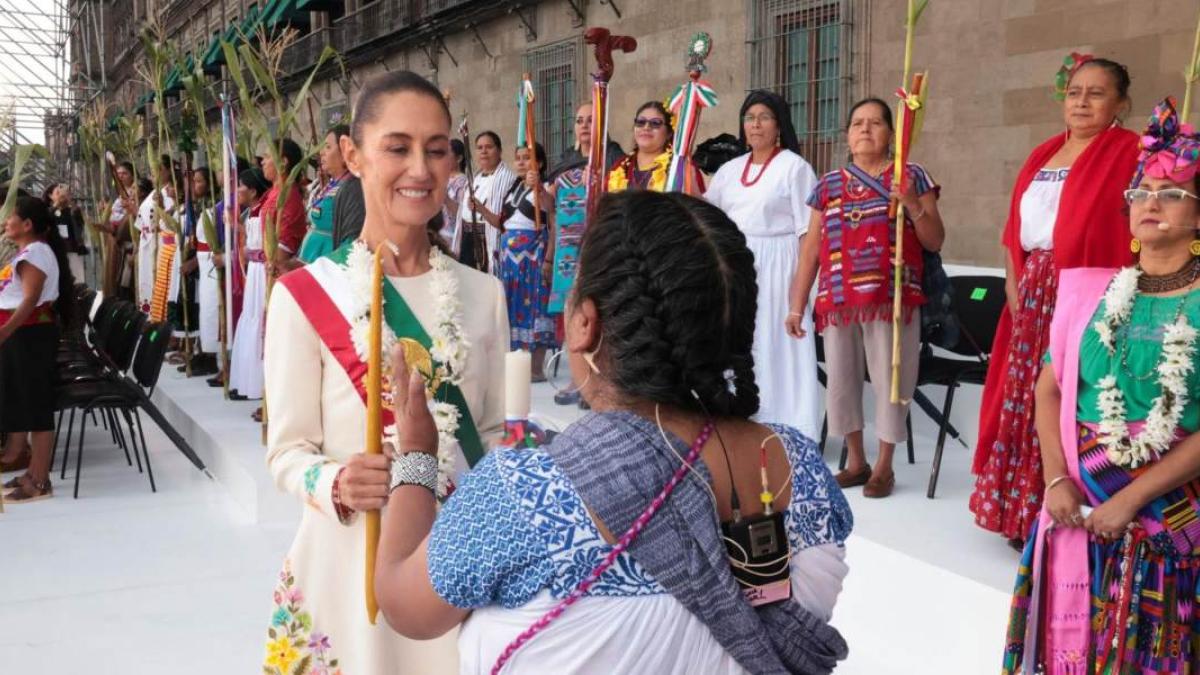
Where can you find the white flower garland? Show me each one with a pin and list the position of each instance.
(449, 349)
(1174, 366)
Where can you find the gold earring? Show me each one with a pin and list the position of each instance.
(1135, 246)
(1195, 247)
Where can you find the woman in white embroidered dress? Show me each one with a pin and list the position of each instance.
(246, 359)
(400, 147)
(659, 334)
(764, 192)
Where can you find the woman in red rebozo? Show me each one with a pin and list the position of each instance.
(1066, 212)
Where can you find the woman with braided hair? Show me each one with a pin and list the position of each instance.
(659, 331)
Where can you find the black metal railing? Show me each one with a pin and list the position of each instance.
(304, 52)
(376, 20)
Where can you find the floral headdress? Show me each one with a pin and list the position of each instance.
(1170, 149)
(1070, 66)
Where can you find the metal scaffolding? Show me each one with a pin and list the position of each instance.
(51, 64)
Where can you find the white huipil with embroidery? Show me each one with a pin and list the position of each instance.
(147, 247)
(773, 215)
(318, 420)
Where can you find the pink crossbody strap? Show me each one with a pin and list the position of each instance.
(623, 543)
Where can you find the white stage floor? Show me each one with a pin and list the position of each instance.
(125, 581)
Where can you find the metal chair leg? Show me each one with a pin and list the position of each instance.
(908, 424)
(145, 449)
(57, 429)
(67, 445)
(79, 454)
(941, 441)
(129, 424)
(120, 435)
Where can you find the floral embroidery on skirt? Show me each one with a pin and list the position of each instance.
(1008, 493)
(293, 647)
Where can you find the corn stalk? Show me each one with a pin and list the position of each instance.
(262, 58)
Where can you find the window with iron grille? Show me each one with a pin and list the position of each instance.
(800, 49)
(554, 71)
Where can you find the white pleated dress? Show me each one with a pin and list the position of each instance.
(246, 362)
(773, 215)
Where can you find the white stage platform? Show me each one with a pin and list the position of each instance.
(125, 581)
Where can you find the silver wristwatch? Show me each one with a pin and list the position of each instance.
(415, 468)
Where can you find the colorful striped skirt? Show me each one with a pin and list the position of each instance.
(522, 255)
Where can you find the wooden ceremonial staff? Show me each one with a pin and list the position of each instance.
(114, 251)
(374, 418)
(465, 133)
(1190, 76)
(915, 8)
(604, 43)
(530, 97)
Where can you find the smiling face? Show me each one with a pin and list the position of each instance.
(869, 134)
(760, 126)
(1092, 102)
(1165, 223)
(404, 160)
(650, 131)
(486, 153)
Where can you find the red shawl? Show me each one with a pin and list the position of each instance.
(1092, 230)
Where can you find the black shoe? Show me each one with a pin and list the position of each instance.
(567, 398)
(204, 368)
(215, 382)
(583, 405)
(235, 396)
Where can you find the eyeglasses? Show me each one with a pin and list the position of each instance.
(764, 118)
(1167, 196)
(652, 122)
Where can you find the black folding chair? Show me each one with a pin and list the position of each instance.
(124, 395)
(976, 305)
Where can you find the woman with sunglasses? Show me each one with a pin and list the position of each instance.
(1113, 563)
(764, 193)
(1065, 212)
(646, 167)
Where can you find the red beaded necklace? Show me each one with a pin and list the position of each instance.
(746, 169)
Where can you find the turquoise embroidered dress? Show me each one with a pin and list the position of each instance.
(319, 240)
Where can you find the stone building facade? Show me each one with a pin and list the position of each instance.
(991, 64)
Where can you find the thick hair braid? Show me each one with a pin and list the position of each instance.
(675, 287)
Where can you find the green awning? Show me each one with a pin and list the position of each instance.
(250, 23)
(318, 5)
(217, 58)
(208, 58)
(286, 12)
(175, 78)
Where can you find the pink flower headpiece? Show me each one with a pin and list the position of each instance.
(1170, 149)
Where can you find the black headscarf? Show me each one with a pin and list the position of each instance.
(783, 117)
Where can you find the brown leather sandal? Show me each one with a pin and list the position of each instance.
(848, 479)
(29, 491)
(879, 487)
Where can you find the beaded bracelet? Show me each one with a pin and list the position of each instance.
(344, 513)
